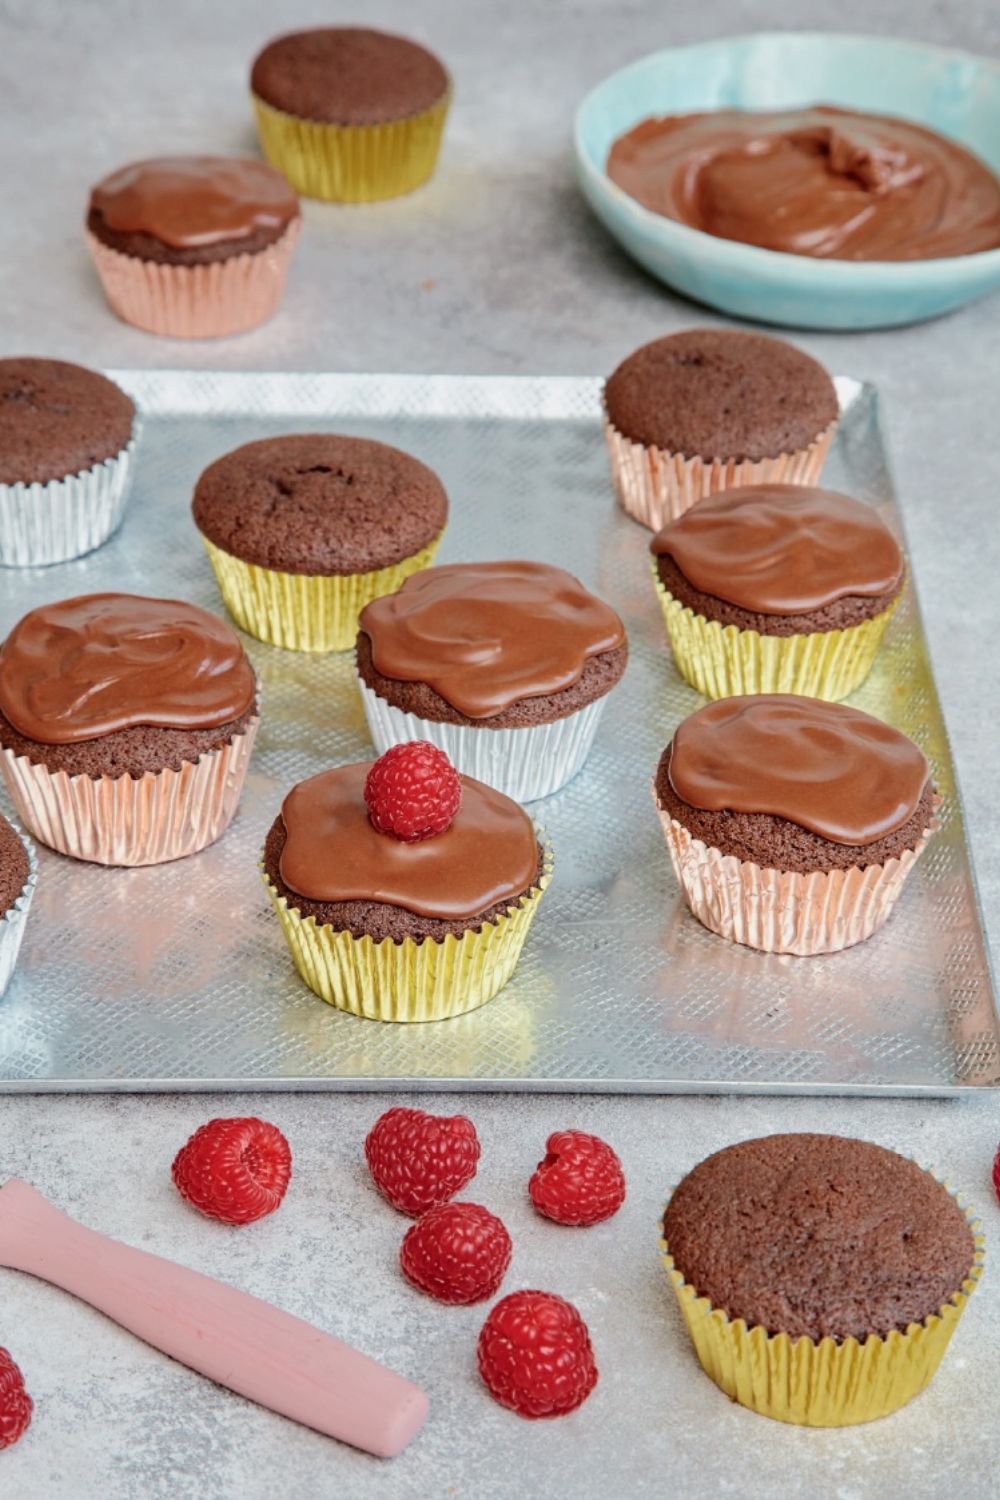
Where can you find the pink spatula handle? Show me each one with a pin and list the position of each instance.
(233, 1338)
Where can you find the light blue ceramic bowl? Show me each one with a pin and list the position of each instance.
(953, 92)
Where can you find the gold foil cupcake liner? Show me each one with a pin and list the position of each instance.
(819, 1383)
(655, 486)
(124, 820)
(409, 981)
(207, 301)
(305, 611)
(723, 661)
(783, 911)
(13, 919)
(352, 163)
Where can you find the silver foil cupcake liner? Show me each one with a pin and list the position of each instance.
(13, 920)
(524, 763)
(56, 522)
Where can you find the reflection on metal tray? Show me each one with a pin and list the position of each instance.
(178, 977)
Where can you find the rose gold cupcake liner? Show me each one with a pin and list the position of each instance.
(121, 820)
(196, 302)
(782, 911)
(656, 486)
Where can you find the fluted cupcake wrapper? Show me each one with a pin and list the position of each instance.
(523, 763)
(783, 911)
(819, 1383)
(305, 611)
(409, 981)
(352, 163)
(207, 301)
(55, 522)
(723, 661)
(121, 820)
(13, 919)
(655, 486)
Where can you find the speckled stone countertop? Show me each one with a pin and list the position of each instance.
(495, 267)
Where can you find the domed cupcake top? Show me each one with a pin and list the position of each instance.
(818, 1236)
(719, 393)
(86, 667)
(348, 75)
(783, 549)
(58, 419)
(830, 769)
(333, 852)
(192, 201)
(486, 635)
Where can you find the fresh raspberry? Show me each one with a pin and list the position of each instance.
(15, 1403)
(234, 1170)
(412, 791)
(535, 1355)
(996, 1173)
(580, 1181)
(420, 1160)
(457, 1253)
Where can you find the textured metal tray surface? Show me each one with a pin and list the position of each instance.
(178, 977)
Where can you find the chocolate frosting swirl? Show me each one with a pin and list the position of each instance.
(830, 769)
(86, 667)
(333, 853)
(187, 201)
(826, 182)
(486, 635)
(783, 549)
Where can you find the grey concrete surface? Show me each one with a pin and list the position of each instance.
(496, 266)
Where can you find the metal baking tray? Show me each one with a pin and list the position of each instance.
(177, 977)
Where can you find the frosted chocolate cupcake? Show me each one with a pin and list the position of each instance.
(17, 886)
(777, 588)
(397, 922)
(126, 726)
(506, 666)
(67, 446)
(708, 409)
(820, 1278)
(303, 531)
(792, 823)
(193, 246)
(348, 113)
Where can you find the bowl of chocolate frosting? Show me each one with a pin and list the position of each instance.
(804, 179)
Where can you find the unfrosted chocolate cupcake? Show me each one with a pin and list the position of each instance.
(126, 726)
(67, 438)
(777, 588)
(791, 822)
(854, 1253)
(349, 113)
(304, 530)
(707, 409)
(17, 884)
(506, 666)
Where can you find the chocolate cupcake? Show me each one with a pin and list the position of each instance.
(350, 114)
(506, 666)
(67, 446)
(193, 246)
(708, 409)
(820, 1278)
(396, 920)
(777, 588)
(792, 823)
(303, 531)
(126, 726)
(18, 874)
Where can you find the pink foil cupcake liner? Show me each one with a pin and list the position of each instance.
(782, 911)
(41, 524)
(196, 302)
(121, 820)
(655, 486)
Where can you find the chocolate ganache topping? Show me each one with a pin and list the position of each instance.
(189, 201)
(825, 182)
(86, 667)
(830, 769)
(485, 635)
(783, 549)
(332, 852)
